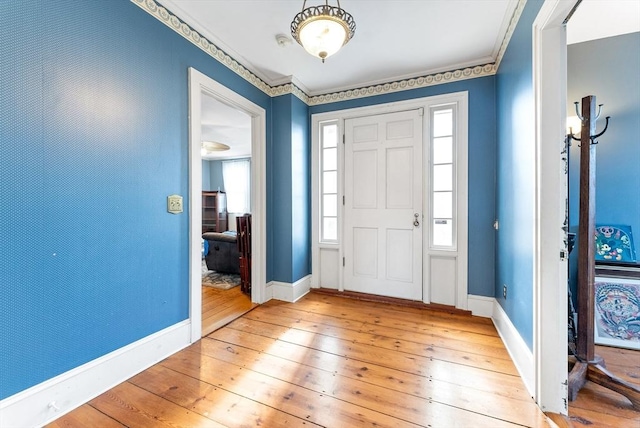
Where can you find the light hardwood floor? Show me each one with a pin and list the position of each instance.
(596, 406)
(329, 361)
(220, 307)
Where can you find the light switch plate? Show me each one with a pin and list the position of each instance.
(174, 204)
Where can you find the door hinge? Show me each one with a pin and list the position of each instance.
(343, 262)
(342, 138)
(563, 255)
(342, 199)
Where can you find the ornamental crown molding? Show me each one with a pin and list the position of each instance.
(176, 24)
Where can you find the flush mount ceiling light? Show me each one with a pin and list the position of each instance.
(208, 147)
(323, 30)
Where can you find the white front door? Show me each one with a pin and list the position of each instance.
(383, 205)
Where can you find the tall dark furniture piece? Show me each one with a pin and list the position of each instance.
(243, 225)
(214, 211)
(588, 365)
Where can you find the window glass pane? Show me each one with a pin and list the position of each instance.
(329, 136)
(443, 232)
(330, 182)
(442, 123)
(329, 159)
(442, 205)
(443, 150)
(442, 177)
(330, 205)
(330, 229)
(236, 176)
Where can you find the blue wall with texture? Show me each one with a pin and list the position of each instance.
(93, 137)
(290, 162)
(515, 176)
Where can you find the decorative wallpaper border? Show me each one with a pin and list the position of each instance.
(180, 27)
(403, 85)
(173, 22)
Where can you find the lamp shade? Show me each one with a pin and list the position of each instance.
(322, 37)
(208, 147)
(323, 30)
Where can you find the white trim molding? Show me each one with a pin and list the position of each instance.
(551, 222)
(520, 354)
(180, 27)
(49, 400)
(510, 29)
(295, 88)
(480, 306)
(404, 85)
(290, 292)
(200, 84)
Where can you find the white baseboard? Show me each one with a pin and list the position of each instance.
(518, 350)
(480, 306)
(290, 292)
(49, 400)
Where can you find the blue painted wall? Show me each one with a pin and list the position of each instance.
(279, 236)
(300, 189)
(515, 176)
(206, 175)
(93, 137)
(289, 165)
(216, 180)
(482, 162)
(608, 68)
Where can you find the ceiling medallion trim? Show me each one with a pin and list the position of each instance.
(173, 22)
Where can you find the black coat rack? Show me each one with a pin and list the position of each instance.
(589, 366)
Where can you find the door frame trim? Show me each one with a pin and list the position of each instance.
(462, 99)
(199, 83)
(549, 270)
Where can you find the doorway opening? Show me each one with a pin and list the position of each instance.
(217, 113)
(226, 195)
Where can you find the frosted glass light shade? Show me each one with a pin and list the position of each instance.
(323, 30)
(322, 37)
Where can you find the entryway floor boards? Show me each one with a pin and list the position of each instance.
(383, 204)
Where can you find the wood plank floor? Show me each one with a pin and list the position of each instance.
(219, 307)
(327, 361)
(596, 406)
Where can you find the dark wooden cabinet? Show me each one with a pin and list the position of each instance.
(214, 211)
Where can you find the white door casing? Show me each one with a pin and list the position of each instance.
(383, 205)
(328, 257)
(550, 270)
(199, 83)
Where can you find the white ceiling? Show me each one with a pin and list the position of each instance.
(394, 40)
(224, 124)
(597, 19)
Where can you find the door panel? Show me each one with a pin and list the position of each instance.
(365, 260)
(383, 195)
(399, 257)
(400, 178)
(365, 179)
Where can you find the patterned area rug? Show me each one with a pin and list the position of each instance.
(221, 281)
